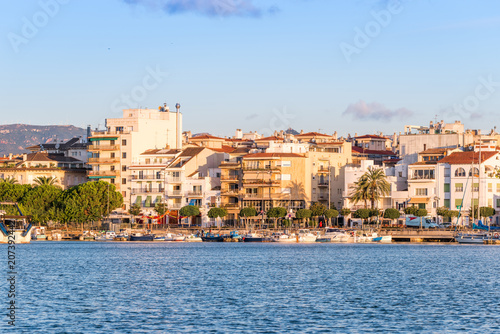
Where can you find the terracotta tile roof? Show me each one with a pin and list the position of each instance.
(273, 138)
(223, 149)
(436, 151)
(424, 163)
(206, 137)
(273, 155)
(371, 137)
(191, 151)
(357, 149)
(315, 134)
(241, 150)
(165, 151)
(462, 158)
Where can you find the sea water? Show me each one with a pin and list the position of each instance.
(162, 287)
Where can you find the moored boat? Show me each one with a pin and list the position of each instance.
(193, 238)
(141, 237)
(14, 228)
(471, 238)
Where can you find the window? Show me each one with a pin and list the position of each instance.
(475, 187)
(124, 181)
(124, 142)
(474, 172)
(286, 164)
(124, 155)
(286, 177)
(460, 172)
(400, 174)
(459, 187)
(112, 155)
(112, 181)
(447, 203)
(490, 187)
(490, 202)
(498, 203)
(124, 168)
(421, 192)
(458, 203)
(446, 187)
(498, 187)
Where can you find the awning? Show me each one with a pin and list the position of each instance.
(158, 199)
(419, 200)
(138, 200)
(103, 138)
(148, 202)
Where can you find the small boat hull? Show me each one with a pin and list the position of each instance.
(147, 237)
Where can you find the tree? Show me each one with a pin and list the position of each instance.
(161, 208)
(275, 213)
(91, 201)
(46, 180)
(331, 213)
(189, 211)
(421, 213)
(391, 214)
(41, 203)
(376, 184)
(411, 210)
(361, 213)
(248, 212)
(9, 180)
(345, 212)
(375, 213)
(216, 213)
(303, 214)
(135, 210)
(317, 209)
(360, 191)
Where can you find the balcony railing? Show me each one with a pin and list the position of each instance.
(104, 173)
(422, 177)
(175, 193)
(147, 190)
(230, 192)
(261, 183)
(107, 133)
(175, 206)
(323, 184)
(103, 160)
(232, 205)
(146, 177)
(195, 193)
(229, 177)
(174, 179)
(262, 169)
(266, 196)
(104, 147)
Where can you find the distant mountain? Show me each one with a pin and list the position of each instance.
(292, 131)
(14, 138)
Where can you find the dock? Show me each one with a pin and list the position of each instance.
(417, 235)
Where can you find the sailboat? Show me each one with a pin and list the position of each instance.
(479, 237)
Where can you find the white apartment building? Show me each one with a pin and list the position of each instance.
(117, 147)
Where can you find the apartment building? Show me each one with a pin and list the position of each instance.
(124, 139)
(26, 168)
(468, 178)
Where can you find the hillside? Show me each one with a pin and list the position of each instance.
(15, 137)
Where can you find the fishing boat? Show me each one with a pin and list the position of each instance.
(142, 237)
(14, 228)
(193, 238)
(211, 237)
(334, 235)
(108, 236)
(159, 238)
(471, 238)
(255, 237)
(385, 239)
(306, 236)
(285, 238)
(122, 236)
(38, 233)
(233, 236)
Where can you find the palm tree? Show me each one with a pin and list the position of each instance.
(10, 180)
(376, 184)
(46, 181)
(360, 191)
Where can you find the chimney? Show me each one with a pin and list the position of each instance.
(335, 135)
(301, 132)
(239, 134)
(178, 127)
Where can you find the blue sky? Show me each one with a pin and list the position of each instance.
(358, 66)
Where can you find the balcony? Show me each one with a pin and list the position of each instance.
(136, 191)
(92, 148)
(231, 192)
(322, 184)
(232, 205)
(105, 133)
(266, 196)
(103, 173)
(175, 193)
(228, 164)
(234, 178)
(195, 193)
(103, 161)
(172, 179)
(262, 183)
(276, 169)
(174, 206)
(146, 177)
(323, 170)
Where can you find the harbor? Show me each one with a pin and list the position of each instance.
(325, 235)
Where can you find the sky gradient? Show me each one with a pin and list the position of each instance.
(346, 66)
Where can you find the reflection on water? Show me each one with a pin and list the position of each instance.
(84, 287)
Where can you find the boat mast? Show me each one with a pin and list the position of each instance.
(479, 182)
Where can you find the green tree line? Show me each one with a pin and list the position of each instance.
(44, 202)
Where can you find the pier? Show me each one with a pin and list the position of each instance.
(416, 235)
